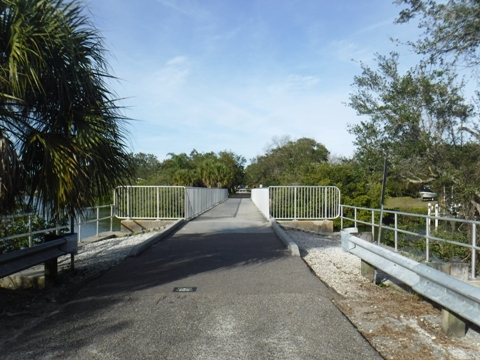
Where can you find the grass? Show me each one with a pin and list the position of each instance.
(406, 203)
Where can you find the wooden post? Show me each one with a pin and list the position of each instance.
(452, 325)
(368, 271)
(51, 266)
(51, 272)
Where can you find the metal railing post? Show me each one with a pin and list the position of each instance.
(111, 218)
(474, 251)
(30, 236)
(79, 229)
(427, 238)
(295, 203)
(128, 203)
(355, 217)
(341, 217)
(98, 218)
(396, 232)
(373, 223)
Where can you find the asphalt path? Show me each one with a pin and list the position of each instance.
(252, 301)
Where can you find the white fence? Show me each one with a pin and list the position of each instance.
(261, 199)
(165, 202)
(298, 202)
(304, 202)
(199, 200)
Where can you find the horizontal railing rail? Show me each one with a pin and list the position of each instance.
(428, 231)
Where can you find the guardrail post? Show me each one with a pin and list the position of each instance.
(452, 325)
(50, 266)
(368, 271)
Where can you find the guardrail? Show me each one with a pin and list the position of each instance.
(19, 260)
(165, 202)
(433, 227)
(453, 294)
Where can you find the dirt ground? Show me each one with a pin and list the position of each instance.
(398, 324)
(403, 326)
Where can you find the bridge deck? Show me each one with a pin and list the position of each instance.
(252, 301)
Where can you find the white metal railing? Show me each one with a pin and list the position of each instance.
(430, 232)
(261, 199)
(96, 220)
(149, 202)
(199, 200)
(165, 202)
(30, 233)
(304, 202)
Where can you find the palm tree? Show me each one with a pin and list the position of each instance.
(56, 107)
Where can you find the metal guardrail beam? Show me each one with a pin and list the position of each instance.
(19, 260)
(453, 294)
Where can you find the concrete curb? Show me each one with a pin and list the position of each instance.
(138, 249)
(286, 239)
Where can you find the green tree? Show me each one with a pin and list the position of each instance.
(451, 30)
(66, 128)
(224, 170)
(358, 187)
(416, 119)
(285, 161)
(146, 166)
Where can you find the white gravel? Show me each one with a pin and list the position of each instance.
(327, 259)
(96, 257)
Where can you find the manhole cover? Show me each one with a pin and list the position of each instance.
(184, 289)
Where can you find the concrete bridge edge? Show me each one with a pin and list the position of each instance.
(286, 239)
(138, 249)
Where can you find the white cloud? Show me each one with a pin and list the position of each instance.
(164, 83)
(294, 83)
(347, 50)
(190, 8)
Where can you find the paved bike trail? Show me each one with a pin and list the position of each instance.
(252, 301)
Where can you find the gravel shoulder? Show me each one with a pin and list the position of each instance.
(398, 324)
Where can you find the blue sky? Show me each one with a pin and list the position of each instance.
(216, 75)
